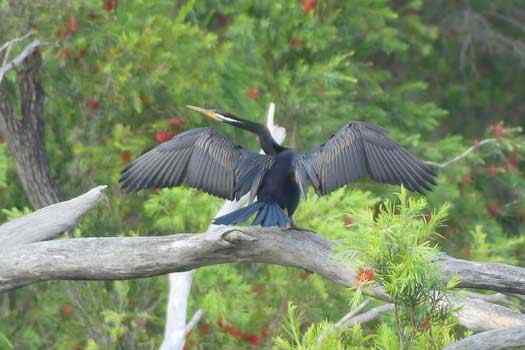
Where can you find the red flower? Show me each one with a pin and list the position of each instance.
(72, 25)
(176, 122)
(67, 310)
(64, 54)
(163, 136)
(258, 288)
(238, 334)
(492, 170)
(512, 162)
(110, 5)
(494, 209)
(92, 103)
(348, 221)
(296, 42)
(265, 332)
(466, 180)
(252, 339)
(498, 130)
(309, 5)
(204, 328)
(365, 275)
(125, 156)
(253, 93)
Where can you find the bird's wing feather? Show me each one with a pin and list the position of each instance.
(199, 158)
(359, 150)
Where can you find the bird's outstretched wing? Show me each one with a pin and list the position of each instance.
(359, 150)
(202, 159)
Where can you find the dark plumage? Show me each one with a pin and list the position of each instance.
(204, 159)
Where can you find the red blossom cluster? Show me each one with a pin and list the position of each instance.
(176, 123)
(498, 130)
(163, 136)
(348, 221)
(253, 93)
(93, 104)
(365, 275)
(494, 209)
(110, 5)
(254, 339)
(309, 5)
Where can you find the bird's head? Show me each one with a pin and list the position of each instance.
(224, 117)
(263, 134)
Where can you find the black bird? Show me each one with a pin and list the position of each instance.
(204, 159)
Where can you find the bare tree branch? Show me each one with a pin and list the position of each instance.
(340, 324)
(11, 42)
(49, 222)
(497, 298)
(134, 257)
(462, 155)
(18, 59)
(368, 316)
(352, 313)
(507, 338)
(478, 315)
(194, 321)
(492, 276)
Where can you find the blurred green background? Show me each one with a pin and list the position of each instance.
(440, 75)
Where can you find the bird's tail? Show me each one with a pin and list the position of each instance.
(268, 214)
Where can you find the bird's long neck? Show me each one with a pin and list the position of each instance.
(268, 144)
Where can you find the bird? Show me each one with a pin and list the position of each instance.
(275, 181)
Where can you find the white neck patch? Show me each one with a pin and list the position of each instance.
(225, 118)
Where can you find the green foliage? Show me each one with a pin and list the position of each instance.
(395, 243)
(3, 165)
(13, 213)
(310, 339)
(120, 76)
(180, 210)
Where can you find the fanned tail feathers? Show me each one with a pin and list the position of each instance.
(268, 215)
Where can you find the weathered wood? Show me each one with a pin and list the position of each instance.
(49, 222)
(483, 275)
(134, 257)
(368, 316)
(507, 338)
(24, 133)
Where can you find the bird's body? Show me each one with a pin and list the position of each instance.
(204, 159)
(279, 185)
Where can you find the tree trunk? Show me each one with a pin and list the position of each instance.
(24, 134)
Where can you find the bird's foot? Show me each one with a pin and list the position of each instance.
(292, 226)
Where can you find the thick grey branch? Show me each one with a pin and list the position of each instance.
(49, 222)
(507, 338)
(133, 257)
(492, 276)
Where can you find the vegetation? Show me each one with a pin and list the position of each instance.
(117, 76)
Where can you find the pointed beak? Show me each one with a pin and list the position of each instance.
(213, 115)
(207, 112)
